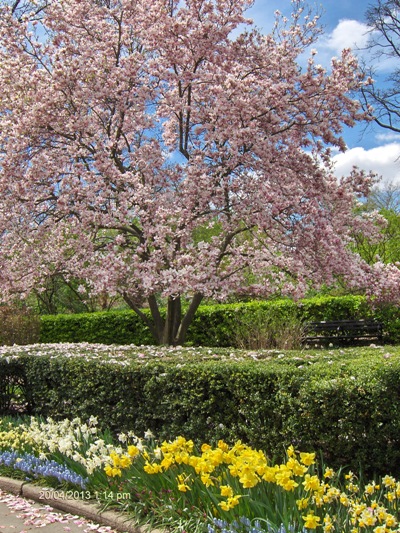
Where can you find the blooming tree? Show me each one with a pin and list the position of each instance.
(153, 150)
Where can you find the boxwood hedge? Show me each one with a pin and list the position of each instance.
(345, 404)
(216, 325)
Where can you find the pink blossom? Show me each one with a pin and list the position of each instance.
(147, 152)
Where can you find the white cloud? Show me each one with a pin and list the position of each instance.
(347, 34)
(382, 160)
(350, 33)
(387, 137)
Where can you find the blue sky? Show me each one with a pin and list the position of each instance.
(373, 148)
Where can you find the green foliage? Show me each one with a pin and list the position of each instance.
(344, 403)
(241, 324)
(61, 295)
(387, 247)
(257, 324)
(348, 411)
(112, 327)
(14, 392)
(334, 308)
(389, 315)
(277, 326)
(19, 325)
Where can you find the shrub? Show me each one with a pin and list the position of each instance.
(345, 405)
(19, 325)
(334, 308)
(260, 328)
(113, 327)
(389, 315)
(14, 391)
(276, 323)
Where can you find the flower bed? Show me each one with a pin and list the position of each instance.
(171, 484)
(123, 355)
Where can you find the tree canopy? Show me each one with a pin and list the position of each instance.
(159, 150)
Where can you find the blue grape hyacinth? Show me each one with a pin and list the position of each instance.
(244, 525)
(41, 467)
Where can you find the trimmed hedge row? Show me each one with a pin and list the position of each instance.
(346, 407)
(107, 327)
(215, 325)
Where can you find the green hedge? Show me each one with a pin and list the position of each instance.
(216, 325)
(347, 406)
(108, 327)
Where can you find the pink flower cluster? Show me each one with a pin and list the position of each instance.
(146, 151)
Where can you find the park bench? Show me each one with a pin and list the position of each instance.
(342, 331)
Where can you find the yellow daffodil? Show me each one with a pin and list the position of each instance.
(328, 524)
(112, 471)
(390, 496)
(302, 503)
(368, 518)
(332, 494)
(296, 467)
(389, 482)
(152, 468)
(226, 491)
(166, 462)
(223, 446)
(183, 483)
(207, 480)
(344, 499)
(230, 503)
(311, 483)
(311, 521)
(352, 487)
(307, 458)
(371, 488)
(133, 451)
(391, 521)
(290, 451)
(289, 484)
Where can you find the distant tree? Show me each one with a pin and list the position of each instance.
(148, 152)
(384, 196)
(383, 96)
(385, 246)
(382, 250)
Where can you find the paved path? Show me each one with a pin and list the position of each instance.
(18, 515)
(23, 508)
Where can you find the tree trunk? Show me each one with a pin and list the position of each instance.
(171, 330)
(188, 318)
(175, 325)
(172, 321)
